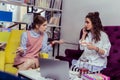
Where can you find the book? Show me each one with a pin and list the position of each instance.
(48, 2)
(56, 33)
(21, 1)
(55, 19)
(49, 33)
(30, 2)
(43, 3)
(104, 76)
(57, 4)
(52, 3)
(92, 77)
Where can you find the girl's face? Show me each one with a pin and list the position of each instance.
(88, 24)
(42, 28)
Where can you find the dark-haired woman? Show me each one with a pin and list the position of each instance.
(32, 42)
(95, 43)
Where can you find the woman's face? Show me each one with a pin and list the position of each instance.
(88, 24)
(42, 28)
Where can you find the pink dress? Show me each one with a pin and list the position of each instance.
(33, 48)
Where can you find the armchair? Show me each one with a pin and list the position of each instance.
(113, 65)
(7, 56)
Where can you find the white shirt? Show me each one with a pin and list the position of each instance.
(94, 57)
(96, 61)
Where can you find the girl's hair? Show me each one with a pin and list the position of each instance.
(38, 20)
(97, 25)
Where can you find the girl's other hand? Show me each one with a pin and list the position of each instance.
(58, 41)
(61, 41)
(19, 50)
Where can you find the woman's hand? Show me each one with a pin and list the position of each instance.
(90, 46)
(83, 42)
(84, 31)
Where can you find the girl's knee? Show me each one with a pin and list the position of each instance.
(29, 62)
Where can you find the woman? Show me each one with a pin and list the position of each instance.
(95, 44)
(32, 43)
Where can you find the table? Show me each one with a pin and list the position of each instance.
(31, 75)
(34, 74)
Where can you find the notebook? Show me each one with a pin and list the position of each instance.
(54, 69)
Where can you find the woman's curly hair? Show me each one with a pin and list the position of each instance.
(97, 25)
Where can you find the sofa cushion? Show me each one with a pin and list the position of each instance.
(113, 68)
(4, 36)
(12, 45)
(10, 69)
(2, 60)
(114, 36)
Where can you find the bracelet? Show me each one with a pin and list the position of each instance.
(97, 49)
(51, 43)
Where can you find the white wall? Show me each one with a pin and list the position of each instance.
(12, 8)
(74, 12)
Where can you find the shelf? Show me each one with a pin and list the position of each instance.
(20, 22)
(52, 25)
(54, 12)
(48, 9)
(14, 3)
(18, 3)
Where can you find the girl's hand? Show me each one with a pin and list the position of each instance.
(61, 41)
(56, 41)
(19, 50)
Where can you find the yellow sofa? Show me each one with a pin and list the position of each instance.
(3, 39)
(7, 56)
(4, 36)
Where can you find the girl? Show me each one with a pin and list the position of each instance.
(32, 42)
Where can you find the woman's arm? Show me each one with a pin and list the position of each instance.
(104, 47)
(97, 49)
(82, 41)
(84, 33)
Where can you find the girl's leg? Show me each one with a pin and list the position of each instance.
(36, 64)
(26, 65)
